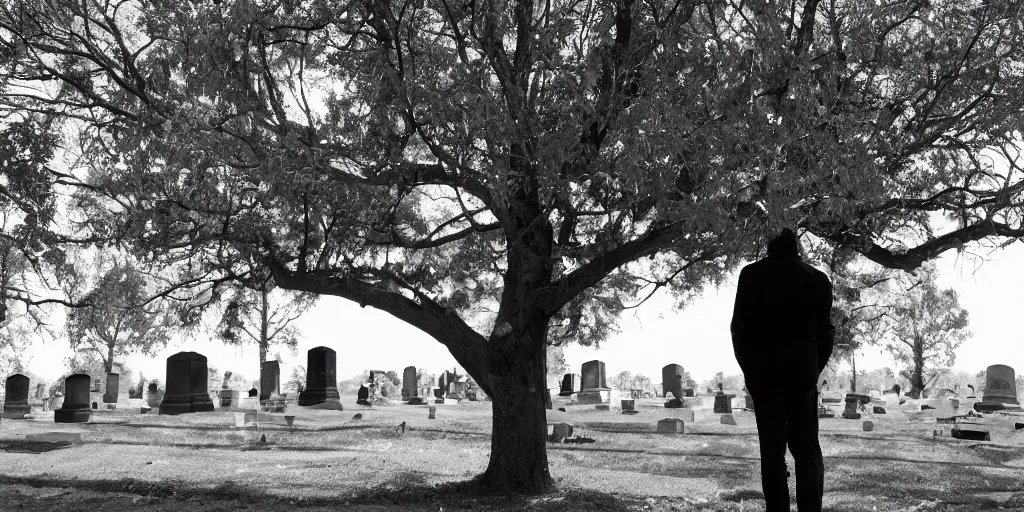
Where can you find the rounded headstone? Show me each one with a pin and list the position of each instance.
(594, 375)
(1000, 385)
(16, 397)
(76, 407)
(672, 380)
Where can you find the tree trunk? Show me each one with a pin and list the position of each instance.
(108, 363)
(917, 376)
(519, 460)
(264, 328)
(516, 370)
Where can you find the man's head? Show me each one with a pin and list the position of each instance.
(784, 244)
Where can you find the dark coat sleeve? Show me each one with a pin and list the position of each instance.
(826, 331)
(740, 319)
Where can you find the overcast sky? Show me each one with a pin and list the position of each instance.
(651, 336)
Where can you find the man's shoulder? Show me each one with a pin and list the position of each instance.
(818, 274)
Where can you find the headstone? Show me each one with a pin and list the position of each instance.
(409, 383)
(228, 397)
(16, 397)
(629, 407)
(559, 432)
(869, 425)
(878, 409)
(853, 402)
(442, 386)
(594, 388)
(363, 395)
(40, 391)
(75, 408)
(570, 384)
(727, 419)
(723, 403)
(96, 384)
(113, 385)
(270, 379)
(671, 425)
(1000, 385)
(321, 378)
(673, 403)
(432, 411)
(594, 375)
(603, 407)
(187, 381)
(672, 380)
(254, 393)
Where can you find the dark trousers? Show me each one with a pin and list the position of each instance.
(789, 417)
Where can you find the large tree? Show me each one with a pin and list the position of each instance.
(507, 174)
(926, 326)
(118, 317)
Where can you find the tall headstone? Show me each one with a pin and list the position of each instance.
(672, 380)
(40, 391)
(1000, 385)
(570, 385)
(442, 386)
(270, 379)
(16, 397)
(321, 378)
(187, 385)
(595, 389)
(594, 375)
(409, 383)
(75, 408)
(113, 385)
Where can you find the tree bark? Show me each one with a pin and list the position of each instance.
(108, 363)
(517, 377)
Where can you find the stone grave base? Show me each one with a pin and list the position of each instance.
(971, 434)
(72, 416)
(603, 407)
(630, 412)
(313, 396)
(327, 406)
(671, 426)
(822, 415)
(56, 437)
(416, 401)
(17, 412)
(674, 403)
(594, 396)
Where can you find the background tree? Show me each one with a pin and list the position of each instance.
(119, 318)
(551, 165)
(298, 378)
(623, 381)
(925, 326)
(260, 313)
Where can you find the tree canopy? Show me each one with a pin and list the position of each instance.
(118, 318)
(508, 174)
(926, 326)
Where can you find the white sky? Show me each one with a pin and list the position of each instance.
(651, 336)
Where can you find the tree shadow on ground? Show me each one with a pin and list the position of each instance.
(404, 491)
(34, 447)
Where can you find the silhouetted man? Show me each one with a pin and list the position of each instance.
(783, 337)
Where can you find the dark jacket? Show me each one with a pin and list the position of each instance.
(781, 325)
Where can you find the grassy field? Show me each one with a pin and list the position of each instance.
(330, 461)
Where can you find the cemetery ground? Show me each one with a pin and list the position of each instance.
(329, 461)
